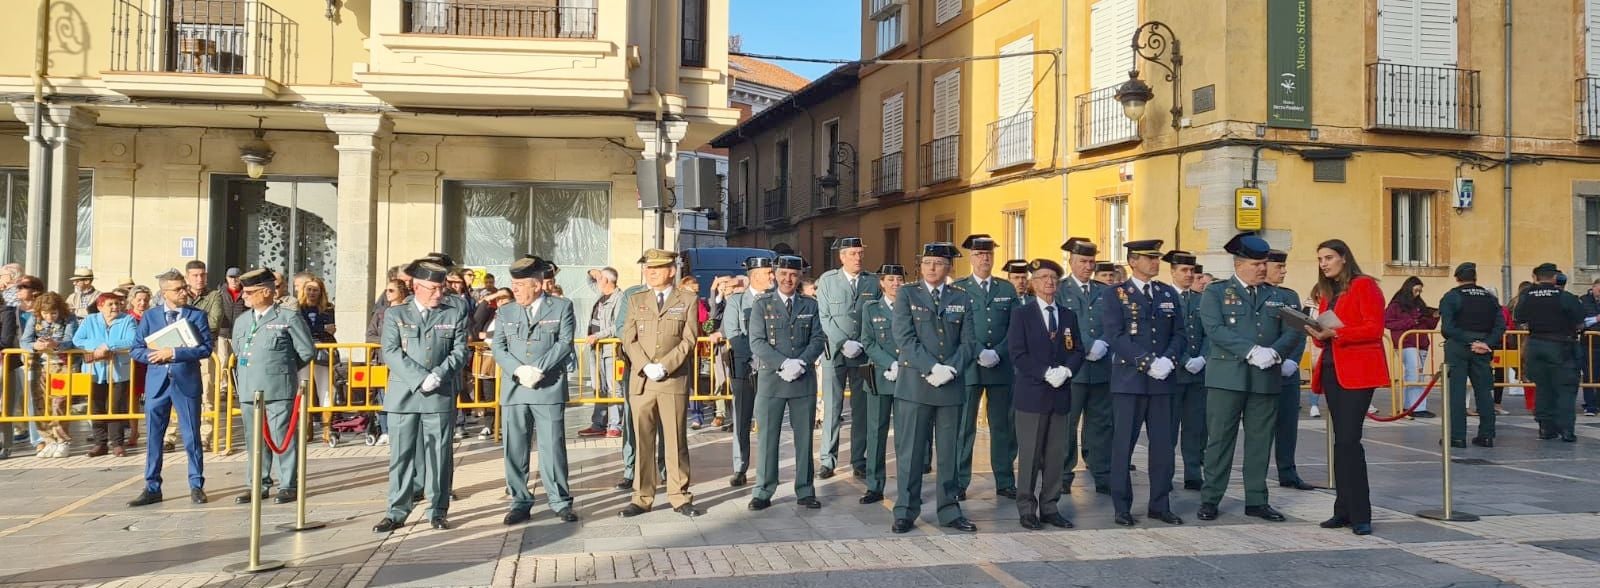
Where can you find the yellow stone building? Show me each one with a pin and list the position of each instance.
(1366, 121)
(347, 136)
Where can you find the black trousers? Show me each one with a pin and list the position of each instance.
(1348, 410)
(109, 398)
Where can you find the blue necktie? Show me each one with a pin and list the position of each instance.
(172, 316)
(1054, 326)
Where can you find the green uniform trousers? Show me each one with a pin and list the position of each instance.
(1466, 366)
(835, 379)
(1091, 408)
(520, 424)
(1224, 411)
(1189, 420)
(273, 465)
(914, 424)
(1554, 373)
(880, 407)
(769, 412)
(420, 444)
(1287, 429)
(1002, 436)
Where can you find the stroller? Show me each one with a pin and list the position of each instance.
(357, 423)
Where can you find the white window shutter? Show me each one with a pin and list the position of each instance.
(1016, 78)
(1436, 33)
(946, 10)
(1111, 26)
(893, 123)
(1591, 37)
(947, 104)
(1397, 31)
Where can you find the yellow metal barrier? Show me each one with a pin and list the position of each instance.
(55, 387)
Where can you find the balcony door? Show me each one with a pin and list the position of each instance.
(489, 225)
(1417, 80)
(207, 36)
(286, 224)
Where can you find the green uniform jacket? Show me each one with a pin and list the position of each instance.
(777, 335)
(841, 310)
(1288, 297)
(1195, 343)
(414, 346)
(544, 342)
(878, 329)
(271, 353)
(1088, 309)
(931, 333)
(1235, 322)
(991, 319)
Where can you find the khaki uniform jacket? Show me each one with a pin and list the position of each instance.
(665, 336)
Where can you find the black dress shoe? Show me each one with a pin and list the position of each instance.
(1569, 437)
(810, 502)
(1458, 443)
(962, 524)
(871, 497)
(516, 516)
(245, 498)
(961, 496)
(439, 523)
(1208, 512)
(1057, 520)
(1124, 519)
(1361, 528)
(1100, 489)
(902, 526)
(1423, 414)
(1296, 484)
(1264, 512)
(386, 526)
(1193, 484)
(1546, 432)
(197, 496)
(1007, 492)
(825, 473)
(285, 496)
(146, 498)
(688, 510)
(738, 480)
(1483, 441)
(567, 516)
(1335, 523)
(859, 472)
(632, 510)
(1031, 523)
(625, 484)
(759, 504)
(1168, 517)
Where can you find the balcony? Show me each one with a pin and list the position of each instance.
(1011, 141)
(882, 9)
(775, 205)
(888, 174)
(200, 49)
(1588, 118)
(736, 216)
(1422, 99)
(941, 160)
(515, 20)
(1101, 122)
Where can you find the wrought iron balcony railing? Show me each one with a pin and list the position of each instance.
(941, 160)
(1011, 141)
(1588, 118)
(524, 20)
(1101, 122)
(226, 37)
(1423, 99)
(775, 204)
(888, 174)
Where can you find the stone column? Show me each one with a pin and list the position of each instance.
(664, 146)
(53, 215)
(360, 138)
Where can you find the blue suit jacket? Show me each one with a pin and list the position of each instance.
(1140, 330)
(182, 374)
(1033, 351)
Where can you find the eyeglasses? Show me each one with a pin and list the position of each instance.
(391, 291)
(177, 289)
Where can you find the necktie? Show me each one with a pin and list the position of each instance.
(1086, 290)
(1252, 291)
(172, 316)
(985, 285)
(661, 300)
(1054, 326)
(1145, 289)
(789, 303)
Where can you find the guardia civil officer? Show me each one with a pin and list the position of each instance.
(1554, 318)
(1473, 326)
(935, 336)
(736, 328)
(659, 339)
(877, 326)
(271, 344)
(532, 343)
(1189, 381)
(1016, 272)
(425, 347)
(1243, 376)
(1045, 351)
(992, 300)
(1144, 326)
(786, 339)
(1288, 422)
(840, 294)
(1091, 390)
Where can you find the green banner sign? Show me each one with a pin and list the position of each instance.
(1289, 63)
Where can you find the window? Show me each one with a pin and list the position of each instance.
(1591, 231)
(744, 177)
(1017, 233)
(1416, 79)
(830, 144)
(830, 260)
(943, 157)
(1111, 25)
(944, 231)
(1012, 137)
(693, 53)
(891, 246)
(889, 28)
(288, 223)
(783, 162)
(1589, 86)
(946, 10)
(491, 224)
(1114, 219)
(894, 123)
(1411, 227)
(14, 216)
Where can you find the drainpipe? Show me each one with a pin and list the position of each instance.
(1061, 120)
(1505, 262)
(36, 254)
(661, 129)
(916, 137)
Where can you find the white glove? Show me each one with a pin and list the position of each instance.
(893, 373)
(1195, 365)
(853, 349)
(940, 375)
(1056, 376)
(1097, 350)
(788, 374)
(1160, 368)
(525, 375)
(793, 366)
(655, 371)
(950, 372)
(431, 383)
(988, 358)
(1261, 357)
(1289, 368)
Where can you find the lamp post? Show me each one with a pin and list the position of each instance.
(1151, 42)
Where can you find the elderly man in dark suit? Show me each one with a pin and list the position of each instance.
(1045, 350)
(172, 381)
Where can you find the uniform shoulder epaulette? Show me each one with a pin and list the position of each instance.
(834, 271)
(761, 296)
(957, 287)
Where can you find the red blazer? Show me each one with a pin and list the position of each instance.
(1358, 349)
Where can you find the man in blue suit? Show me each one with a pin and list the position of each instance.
(1143, 322)
(172, 380)
(1045, 350)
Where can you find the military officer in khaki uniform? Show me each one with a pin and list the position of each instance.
(659, 340)
(786, 339)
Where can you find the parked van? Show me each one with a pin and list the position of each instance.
(706, 263)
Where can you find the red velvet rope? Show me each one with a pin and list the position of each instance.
(294, 421)
(1407, 412)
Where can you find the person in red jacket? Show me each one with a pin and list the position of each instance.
(1351, 365)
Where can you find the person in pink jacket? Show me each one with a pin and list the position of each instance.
(1407, 312)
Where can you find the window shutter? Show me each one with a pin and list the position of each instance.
(946, 10)
(893, 123)
(1591, 37)
(1111, 26)
(947, 104)
(1436, 33)
(1016, 78)
(1397, 31)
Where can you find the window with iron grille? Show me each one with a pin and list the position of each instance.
(944, 231)
(1114, 219)
(1591, 231)
(1411, 227)
(693, 52)
(1017, 233)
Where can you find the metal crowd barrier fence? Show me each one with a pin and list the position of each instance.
(58, 386)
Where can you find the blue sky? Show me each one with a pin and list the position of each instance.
(805, 28)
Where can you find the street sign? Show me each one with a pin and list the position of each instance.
(186, 247)
(1247, 209)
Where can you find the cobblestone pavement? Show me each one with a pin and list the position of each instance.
(63, 523)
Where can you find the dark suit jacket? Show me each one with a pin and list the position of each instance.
(1033, 351)
(182, 374)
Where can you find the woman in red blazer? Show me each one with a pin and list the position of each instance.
(1351, 365)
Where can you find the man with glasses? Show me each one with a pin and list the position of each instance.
(172, 381)
(273, 344)
(532, 344)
